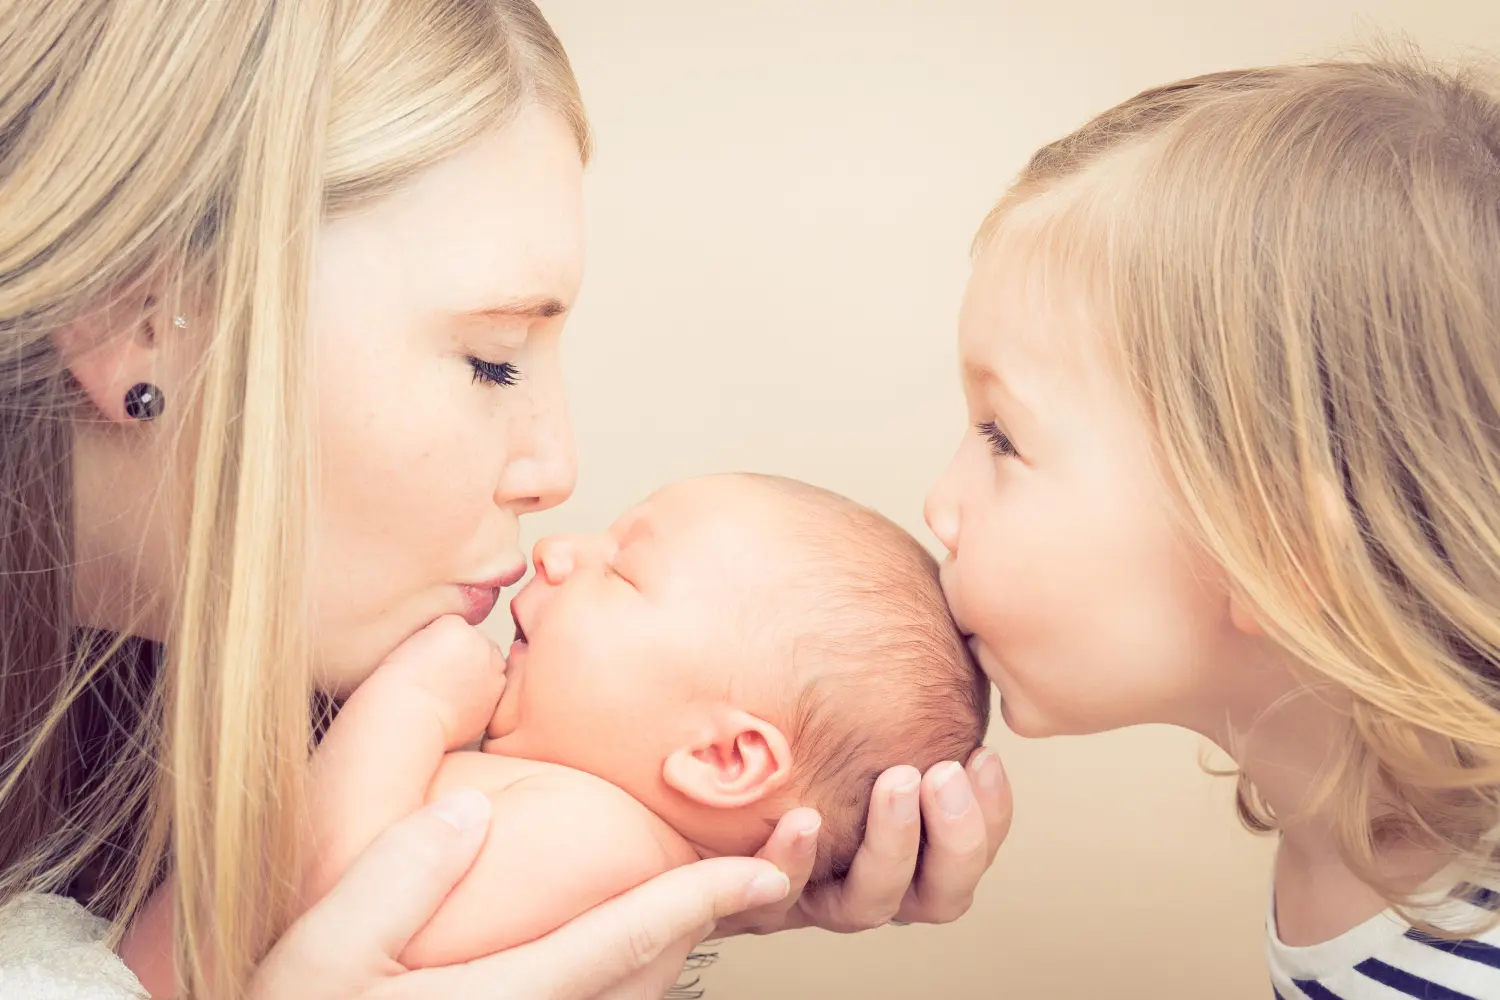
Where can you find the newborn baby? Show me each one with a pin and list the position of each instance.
(731, 648)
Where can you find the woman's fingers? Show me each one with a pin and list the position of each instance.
(613, 942)
(397, 884)
(992, 789)
(793, 848)
(871, 894)
(351, 938)
(957, 851)
(657, 979)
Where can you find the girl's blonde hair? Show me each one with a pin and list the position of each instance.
(1302, 268)
(191, 149)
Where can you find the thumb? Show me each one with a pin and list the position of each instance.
(616, 939)
(400, 880)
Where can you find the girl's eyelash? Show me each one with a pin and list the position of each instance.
(503, 373)
(1000, 442)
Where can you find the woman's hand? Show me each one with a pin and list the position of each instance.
(344, 948)
(966, 812)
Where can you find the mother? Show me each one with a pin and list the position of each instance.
(281, 286)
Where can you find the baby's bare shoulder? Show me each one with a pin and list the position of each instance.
(560, 842)
(561, 797)
(487, 772)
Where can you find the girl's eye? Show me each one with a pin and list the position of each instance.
(503, 373)
(1000, 442)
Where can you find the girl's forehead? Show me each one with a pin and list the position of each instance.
(1025, 324)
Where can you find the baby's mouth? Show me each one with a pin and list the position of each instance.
(515, 617)
(507, 715)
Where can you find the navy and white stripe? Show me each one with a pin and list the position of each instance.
(1387, 959)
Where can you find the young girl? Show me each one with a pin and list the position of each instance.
(1232, 359)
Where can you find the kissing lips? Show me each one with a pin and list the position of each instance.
(479, 602)
(480, 598)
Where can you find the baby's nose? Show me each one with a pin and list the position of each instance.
(558, 557)
(553, 558)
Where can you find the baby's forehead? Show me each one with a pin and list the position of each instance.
(728, 522)
(708, 502)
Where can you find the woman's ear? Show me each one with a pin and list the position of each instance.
(112, 349)
(743, 760)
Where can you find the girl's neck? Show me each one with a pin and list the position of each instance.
(1286, 747)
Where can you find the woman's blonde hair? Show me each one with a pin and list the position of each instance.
(1301, 266)
(193, 148)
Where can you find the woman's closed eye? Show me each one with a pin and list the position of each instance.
(1000, 442)
(503, 373)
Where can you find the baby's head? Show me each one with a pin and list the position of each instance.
(736, 646)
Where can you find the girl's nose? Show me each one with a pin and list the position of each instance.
(941, 513)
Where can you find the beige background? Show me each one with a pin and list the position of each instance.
(779, 214)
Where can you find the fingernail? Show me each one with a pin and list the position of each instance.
(809, 830)
(464, 809)
(906, 798)
(989, 770)
(767, 888)
(954, 797)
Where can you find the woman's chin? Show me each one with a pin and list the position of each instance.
(351, 646)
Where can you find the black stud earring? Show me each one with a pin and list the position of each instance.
(143, 402)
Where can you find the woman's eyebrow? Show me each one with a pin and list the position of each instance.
(526, 307)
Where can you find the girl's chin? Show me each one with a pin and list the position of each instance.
(1022, 722)
(1025, 718)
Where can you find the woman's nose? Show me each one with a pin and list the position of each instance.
(543, 466)
(941, 512)
(539, 481)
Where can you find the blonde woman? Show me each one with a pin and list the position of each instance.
(281, 286)
(1232, 357)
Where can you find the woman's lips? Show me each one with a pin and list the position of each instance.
(479, 602)
(480, 598)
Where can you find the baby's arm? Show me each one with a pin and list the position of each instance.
(435, 694)
(560, 843)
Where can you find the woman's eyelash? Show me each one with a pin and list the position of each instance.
(503, 373)
(1000, 442)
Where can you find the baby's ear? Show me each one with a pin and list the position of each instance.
(742, 760)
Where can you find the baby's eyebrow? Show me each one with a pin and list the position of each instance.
(637, 529)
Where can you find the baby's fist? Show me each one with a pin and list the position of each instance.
(457, 667)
